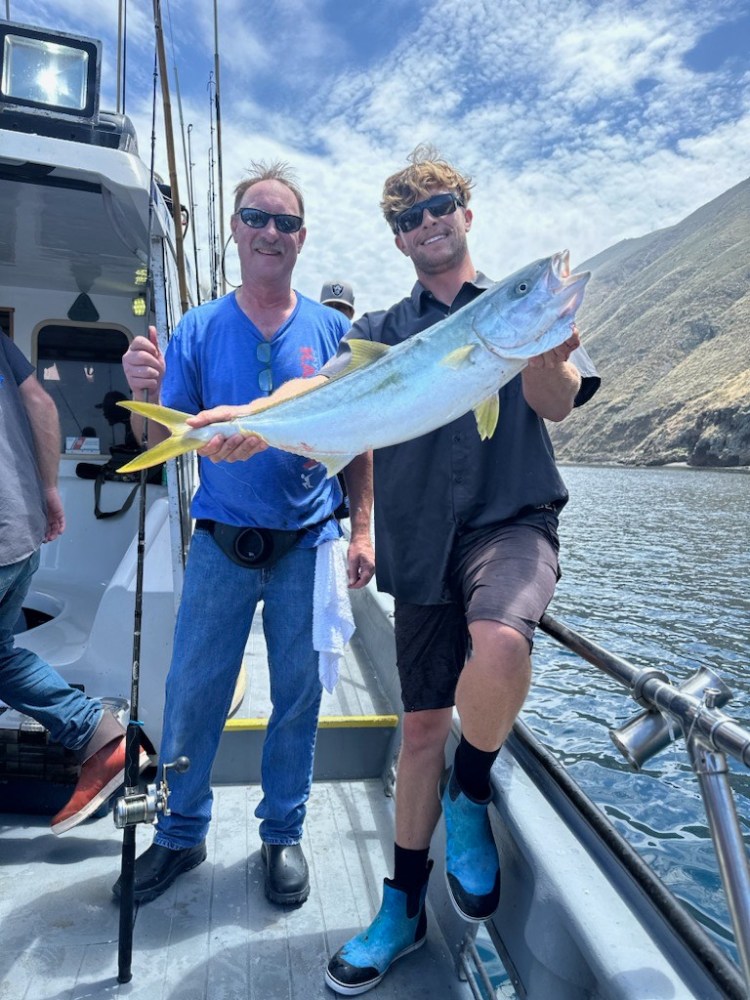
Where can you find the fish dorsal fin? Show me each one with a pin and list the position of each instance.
(363, 353)
(459, 357)
(487, 414)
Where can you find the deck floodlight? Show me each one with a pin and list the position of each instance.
(48, 72)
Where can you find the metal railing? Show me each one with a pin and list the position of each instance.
(690, 710)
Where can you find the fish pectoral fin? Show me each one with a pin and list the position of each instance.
(459, 357)
(363, 353)
(487, 414)
(333, 463)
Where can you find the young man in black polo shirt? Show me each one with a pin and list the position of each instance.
(467, 544)
(466, 537)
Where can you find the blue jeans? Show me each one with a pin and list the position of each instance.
(213, 624)
(31, 685)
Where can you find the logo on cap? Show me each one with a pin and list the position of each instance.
(337, 289)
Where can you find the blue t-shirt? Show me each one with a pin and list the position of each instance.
(218, 356)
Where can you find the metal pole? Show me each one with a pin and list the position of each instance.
(175, 191)
(711, 769)
(222, 242)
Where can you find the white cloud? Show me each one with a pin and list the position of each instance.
(580, 120)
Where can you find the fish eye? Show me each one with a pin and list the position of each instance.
(522, 287)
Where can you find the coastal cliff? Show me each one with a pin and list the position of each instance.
(666, 319)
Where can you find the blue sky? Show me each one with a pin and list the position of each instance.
(582, 122)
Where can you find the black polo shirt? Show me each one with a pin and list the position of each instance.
(432, 489)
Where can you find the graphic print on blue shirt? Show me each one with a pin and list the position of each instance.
(214, 358)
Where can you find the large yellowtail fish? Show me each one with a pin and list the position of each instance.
(388, 395)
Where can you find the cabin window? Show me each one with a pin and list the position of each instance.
(81, 369)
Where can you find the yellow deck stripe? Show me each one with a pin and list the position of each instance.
(325, 722)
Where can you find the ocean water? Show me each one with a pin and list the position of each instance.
(656, 568)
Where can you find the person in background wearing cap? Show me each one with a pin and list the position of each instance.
(338, 295)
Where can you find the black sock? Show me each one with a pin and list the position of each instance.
(472, 768)
(410, 869)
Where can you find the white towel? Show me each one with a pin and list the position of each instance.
(333, 621)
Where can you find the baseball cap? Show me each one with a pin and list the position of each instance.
(337, 291)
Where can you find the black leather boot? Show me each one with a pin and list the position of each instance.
(287, 877)
(158, 867)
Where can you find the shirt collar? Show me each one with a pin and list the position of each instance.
(422, 299)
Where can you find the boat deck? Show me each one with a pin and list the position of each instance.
(213, 934)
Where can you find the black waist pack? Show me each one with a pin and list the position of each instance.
(252, 548)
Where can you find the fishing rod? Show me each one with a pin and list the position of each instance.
(185, 155)
(134, 806)
(133, 731)
(193, 215)
(213, 256)
(220, 172)
(174, 188)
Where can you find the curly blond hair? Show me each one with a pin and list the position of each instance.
(279, 171)
(427, 170)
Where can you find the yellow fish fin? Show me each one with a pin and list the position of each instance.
(170, 448)
(458, 357)
(175, 445)
(174, 419)
(487, 414)
(363, 353)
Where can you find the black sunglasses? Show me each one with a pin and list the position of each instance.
(437, 205)
(256, 218)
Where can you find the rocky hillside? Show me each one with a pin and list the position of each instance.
(666, 318)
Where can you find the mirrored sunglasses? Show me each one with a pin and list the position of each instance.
(256, 218)
(438, 205)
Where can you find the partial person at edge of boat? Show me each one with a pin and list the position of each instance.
(31, 513)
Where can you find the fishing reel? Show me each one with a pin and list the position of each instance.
(143, 807)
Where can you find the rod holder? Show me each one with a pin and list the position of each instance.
(650, 732)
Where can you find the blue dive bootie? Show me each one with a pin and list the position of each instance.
(399, 927)
(472, 866)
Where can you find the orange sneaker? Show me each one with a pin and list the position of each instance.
(101, 775)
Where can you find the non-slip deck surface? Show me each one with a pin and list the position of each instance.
(212, 935)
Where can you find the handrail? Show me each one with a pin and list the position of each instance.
(709, 734)
(652, 688)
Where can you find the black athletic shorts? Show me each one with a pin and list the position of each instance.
(506, 574)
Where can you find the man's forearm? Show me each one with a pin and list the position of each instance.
(45, 426)
(551, 390)
(358, 477)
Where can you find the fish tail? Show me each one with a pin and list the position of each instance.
(177, 444)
